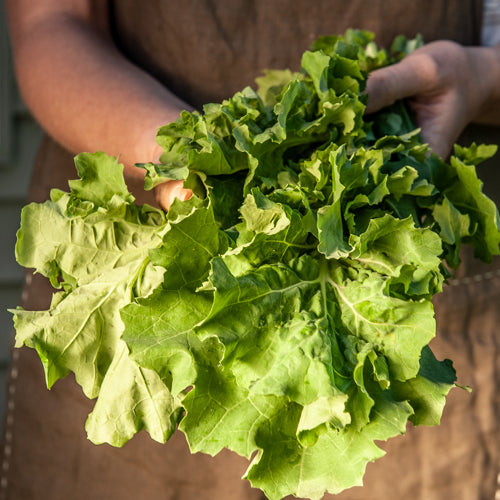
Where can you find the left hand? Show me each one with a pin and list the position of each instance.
(447, 87)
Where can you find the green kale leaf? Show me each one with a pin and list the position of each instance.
(284, 311)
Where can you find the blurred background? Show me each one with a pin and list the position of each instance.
(19, 140)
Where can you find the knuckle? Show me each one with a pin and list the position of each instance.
(427, 69)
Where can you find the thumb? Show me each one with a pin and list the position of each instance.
(407, 78)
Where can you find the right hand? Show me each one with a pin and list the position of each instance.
(166, 192)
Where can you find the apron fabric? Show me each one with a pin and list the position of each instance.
(205, 51)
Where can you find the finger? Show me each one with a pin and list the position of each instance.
(440, 127)
(414, 75)
(168, 191)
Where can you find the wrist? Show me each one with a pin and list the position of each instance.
(145, 148)
(486, 67)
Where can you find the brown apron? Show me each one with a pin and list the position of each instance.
(205, 51)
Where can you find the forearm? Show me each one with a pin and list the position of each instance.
(85, 93)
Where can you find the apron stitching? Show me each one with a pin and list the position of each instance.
(476, 278)
(9, 423)
(11, 405)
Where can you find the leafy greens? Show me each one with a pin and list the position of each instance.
(284, 311)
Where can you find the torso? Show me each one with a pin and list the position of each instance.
(205, 50)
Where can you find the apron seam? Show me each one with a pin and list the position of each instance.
(476, 278)
(9, 423)
(11, 407)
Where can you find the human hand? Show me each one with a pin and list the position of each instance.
(446, 85)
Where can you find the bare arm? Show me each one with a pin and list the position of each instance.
(448, 86)
(79, 87)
